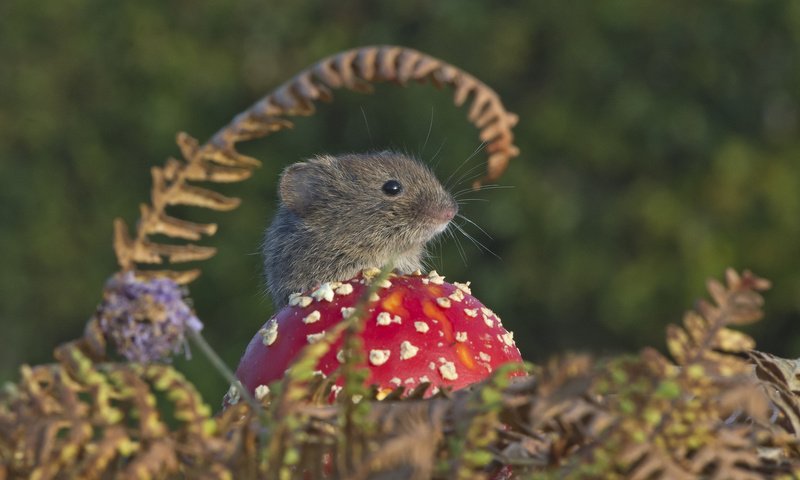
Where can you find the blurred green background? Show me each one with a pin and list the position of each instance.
(659, 145)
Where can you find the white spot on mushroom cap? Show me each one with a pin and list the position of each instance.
(312, 317)
(471, 312)
(432, 365)
(347, 311)
(448, 371)
(407, 350)
(434, 277)
(461, 336)
(299, 300)
(340, 356)
(315, 337)
(269, 333)
(385, 318)
(507, 338)
(385, 283)
(421, 327)
(324, 292)
(464, 287)
(378, 357)
(443, 302)
(456, 296)
(344, 289)
(374, 297)
(261, 392)
(487, 312)
(489, 322)
(410, 380)
(396, 381)
(485, 356)
(424, 379)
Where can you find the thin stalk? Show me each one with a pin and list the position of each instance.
(222, 368)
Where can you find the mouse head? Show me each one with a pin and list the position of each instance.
(373, 199)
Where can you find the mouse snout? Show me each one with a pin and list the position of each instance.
(448, 213)
(443, 212)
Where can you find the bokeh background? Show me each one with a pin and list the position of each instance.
(660, 144)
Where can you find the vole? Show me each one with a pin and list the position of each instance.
(341, 214)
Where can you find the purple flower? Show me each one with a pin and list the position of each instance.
(145, 319)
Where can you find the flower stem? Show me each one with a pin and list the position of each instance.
(222, 368)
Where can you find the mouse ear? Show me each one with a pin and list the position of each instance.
(296, 187)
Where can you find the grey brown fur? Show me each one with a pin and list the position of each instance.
(334, 220)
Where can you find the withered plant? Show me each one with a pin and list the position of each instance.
(713, 408)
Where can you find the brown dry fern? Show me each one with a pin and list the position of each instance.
(86, 418)
(218, 161)
(782, 381)
(703, 415)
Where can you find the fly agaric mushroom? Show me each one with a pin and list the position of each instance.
(417, 329)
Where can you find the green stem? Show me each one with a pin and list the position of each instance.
(222, 368)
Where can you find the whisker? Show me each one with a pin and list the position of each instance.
(476, 242)
(460, 248)
(480, 147)
(476, 226)
(469, 179)
(436, 154)
(366, 122)
(479, 167)
(481, 189)
(428, 136)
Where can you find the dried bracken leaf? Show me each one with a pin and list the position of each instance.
(705, 341)
(173, 227)
(631, 417)
(175, 253)
(706, 416)
(782, 379)
(355, 69)
(183, 277)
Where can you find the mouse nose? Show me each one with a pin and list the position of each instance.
(441, 211)
(448, 213)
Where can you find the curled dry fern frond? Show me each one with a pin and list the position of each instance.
(218, 161)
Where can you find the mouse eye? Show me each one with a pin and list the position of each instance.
(392, 188)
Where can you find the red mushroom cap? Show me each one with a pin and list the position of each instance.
(417, 329)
